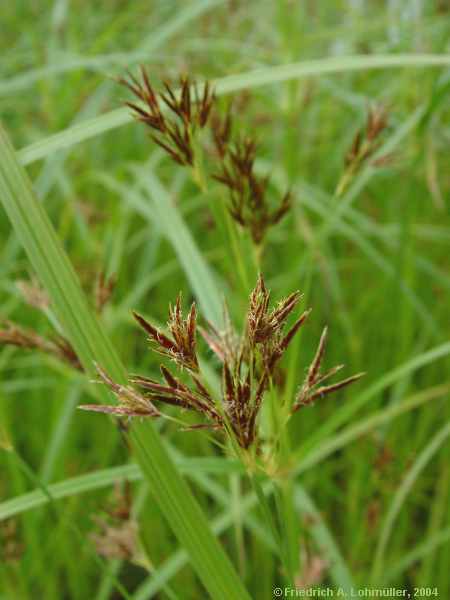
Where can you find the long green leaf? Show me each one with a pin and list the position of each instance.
(105, 477)
(400, 498)
(233, 83)
(52, 266)
(144, 52)
(194, 265)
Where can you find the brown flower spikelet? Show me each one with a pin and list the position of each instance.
(187, 109)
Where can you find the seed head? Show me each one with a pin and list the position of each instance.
(248, 202)
(221, 130)
(174, 115)
(248, 368)
(262, 323)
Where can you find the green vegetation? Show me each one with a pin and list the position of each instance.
(347, 103)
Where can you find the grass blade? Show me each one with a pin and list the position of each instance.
(102, 62)
(233, 83)
(69, 487)
(197, 270)
(339, 570)
(105, 477)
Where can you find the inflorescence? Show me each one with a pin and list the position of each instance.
(174, 118)
(188, 110)
(248, 368)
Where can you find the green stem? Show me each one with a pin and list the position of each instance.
(236, 249)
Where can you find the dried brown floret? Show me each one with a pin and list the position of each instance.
(309, 391)
(116, 541)
(11, 548)
(221, 130)
(248, 202)
(33, 294)
(117, 533)
(367, 141)
(377, 122)
(59, 347)
(66, 352)
(131, 403)
(15, 335)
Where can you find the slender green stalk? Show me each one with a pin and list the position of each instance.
(236, 248)
(57, 275)
(59, 433)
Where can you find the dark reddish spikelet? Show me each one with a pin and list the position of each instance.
(164, 343)
(59, 347)
(131, 403)
(247, 191)
(174, 132)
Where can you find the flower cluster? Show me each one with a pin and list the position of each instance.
(188, 110)
(249, 205)
(367, 141)
(310, 391)
(174, 116)
(248, 367)
(131, 403)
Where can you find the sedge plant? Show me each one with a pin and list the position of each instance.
(343, 481)
(187, 126)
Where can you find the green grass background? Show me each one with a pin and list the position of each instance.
(373, 264)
